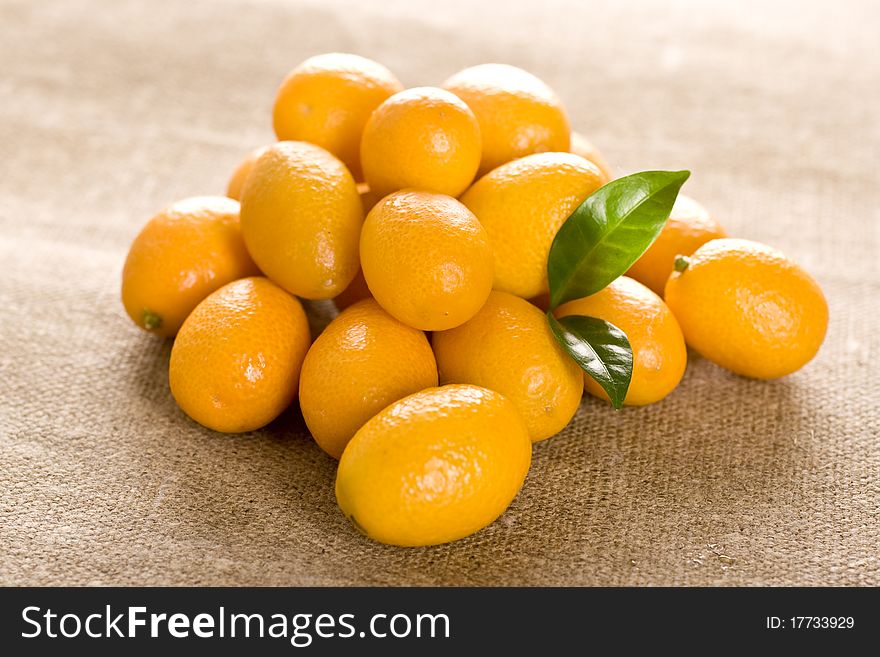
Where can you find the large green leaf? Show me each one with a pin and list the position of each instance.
(608, 232)
(600, 348)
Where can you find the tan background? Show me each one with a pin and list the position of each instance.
(111, 110)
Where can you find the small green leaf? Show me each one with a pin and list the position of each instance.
(600, 348)
(609, 231)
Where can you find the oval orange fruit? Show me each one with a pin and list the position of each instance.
(508, 347)
(362, 362)
(426, 259)
(425, 138)
(659, 352)
(522, 205)
(236, 361)
(517, 112)
(327, 101)
(749, 308)
(182, 255)
(434, 467)
(301, 218)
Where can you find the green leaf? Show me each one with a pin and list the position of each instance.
(600, 348)
(608, 232)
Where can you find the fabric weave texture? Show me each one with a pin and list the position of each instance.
(112, 110)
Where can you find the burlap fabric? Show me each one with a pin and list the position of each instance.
(111, 110)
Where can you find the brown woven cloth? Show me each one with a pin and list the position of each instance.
(112, 110)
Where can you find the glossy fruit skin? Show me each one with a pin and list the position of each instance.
(424, 138)
(689, 227)
(180, 256)
(659, 351)
(242, 171)
(522, 204)
(748, 308)
(582, 146)
(426, 259)
(508, 347)
(517, 112)
(301, 218)
(434, 467)
(362, 362)
(236, 362)
(327, 101)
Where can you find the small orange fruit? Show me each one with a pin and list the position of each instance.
(508, 347)
(522, 204)
(747, 307)
(327, 100)
(580, 145)
(242, 171)
(363, 361)
(425, 138)
(518, 114)
(434, 467)
(182, 255)
(426, 259)
(301, 218)
(689, 227)
(235, 363)
(659, 352)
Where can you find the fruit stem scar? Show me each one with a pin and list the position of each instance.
(681, 263)
(151, 320)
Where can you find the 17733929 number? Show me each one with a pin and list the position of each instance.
(810, 623)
